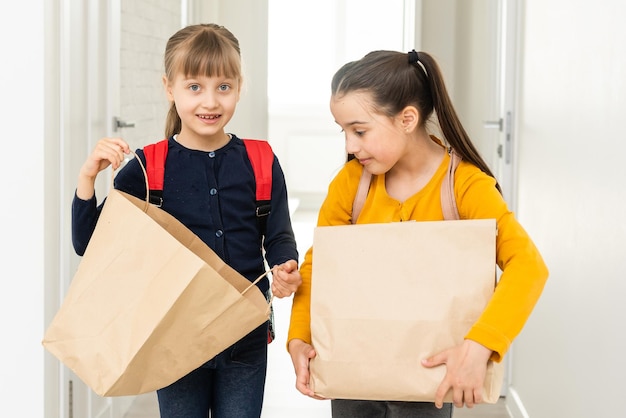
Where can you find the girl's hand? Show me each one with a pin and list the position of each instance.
(466, 368)
(301, 355)
(285, 279)
(107, 152)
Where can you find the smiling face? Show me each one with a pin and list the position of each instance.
(202, 81)
(205, 105)
(377, 141)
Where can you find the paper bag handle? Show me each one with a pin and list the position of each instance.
(258, 279)
(145, 176)
(448, 200)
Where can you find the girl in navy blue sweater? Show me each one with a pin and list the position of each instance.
(209, 186)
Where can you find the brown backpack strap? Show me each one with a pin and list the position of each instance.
(361, 194)
(448, 200)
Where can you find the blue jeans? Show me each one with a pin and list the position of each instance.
(388, 409)
(230, 385)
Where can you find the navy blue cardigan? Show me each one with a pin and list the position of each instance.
(213, 194)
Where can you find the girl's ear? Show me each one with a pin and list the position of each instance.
(168, 89)
(409, 117)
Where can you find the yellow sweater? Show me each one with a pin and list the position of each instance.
(524, 272)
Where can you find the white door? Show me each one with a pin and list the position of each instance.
(111, 55)
(84, 48)
(476, 44)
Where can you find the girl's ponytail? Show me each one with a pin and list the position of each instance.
(172, 122)
(449, 122)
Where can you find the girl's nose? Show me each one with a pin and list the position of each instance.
(209, 100)
(352, 146)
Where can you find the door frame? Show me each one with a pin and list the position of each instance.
(511, 13)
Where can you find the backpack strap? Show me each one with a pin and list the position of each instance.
(262, 159)
(448, 200)
(361, 194)
(155, 169)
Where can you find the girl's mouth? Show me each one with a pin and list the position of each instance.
(209, 118)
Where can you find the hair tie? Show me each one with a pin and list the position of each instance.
(413, 57)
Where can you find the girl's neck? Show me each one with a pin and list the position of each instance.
(423, 154)
(203, 143)
(415, 170)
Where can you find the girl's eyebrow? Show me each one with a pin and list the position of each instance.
(198, 76)
(356, 122)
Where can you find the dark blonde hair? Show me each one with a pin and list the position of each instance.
(205, 49)
(396, 80)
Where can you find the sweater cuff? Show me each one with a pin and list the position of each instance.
(490, 338)
(300, 335)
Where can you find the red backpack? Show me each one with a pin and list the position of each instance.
(261, 157)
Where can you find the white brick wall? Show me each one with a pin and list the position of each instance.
(146, 25)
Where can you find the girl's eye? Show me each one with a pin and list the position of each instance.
(194, 87)
(224, 87)
(357, 133)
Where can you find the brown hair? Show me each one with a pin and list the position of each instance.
(205, 49)
(395, 83)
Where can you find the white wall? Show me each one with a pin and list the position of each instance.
(22, 209)
(250, 28)
(145, 28)
(569, 360)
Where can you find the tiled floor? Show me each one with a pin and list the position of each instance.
(282, 400)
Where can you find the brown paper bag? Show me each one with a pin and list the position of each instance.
(149, 303)
(386, 296)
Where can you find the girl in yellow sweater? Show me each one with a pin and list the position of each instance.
(383, 103)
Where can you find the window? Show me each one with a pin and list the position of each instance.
(309, 41)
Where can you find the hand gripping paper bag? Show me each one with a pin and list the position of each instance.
(386, 296)
(149, 303)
